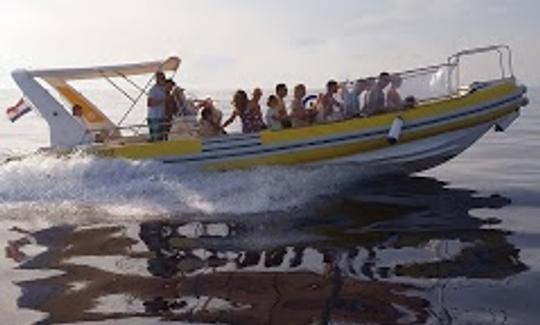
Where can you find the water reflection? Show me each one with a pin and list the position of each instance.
(380, 255)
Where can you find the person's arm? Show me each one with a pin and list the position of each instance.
(399, 101)
(180, 105)
(390, 100)
(327, 107)
(231, 119)
(337, 103)
(216, 126)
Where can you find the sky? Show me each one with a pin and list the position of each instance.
(228, 44)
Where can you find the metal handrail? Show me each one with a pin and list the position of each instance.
(142, 92)
(478, 50)
(424, 70)
(135, 128)
(454, 61)
(502, 50)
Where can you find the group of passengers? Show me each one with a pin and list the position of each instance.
(365, 97)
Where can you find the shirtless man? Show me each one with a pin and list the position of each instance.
(281, 93)
(331, 108)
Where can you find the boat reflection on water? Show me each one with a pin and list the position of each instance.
(381, 256)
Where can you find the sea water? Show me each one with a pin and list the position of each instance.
(96, 240)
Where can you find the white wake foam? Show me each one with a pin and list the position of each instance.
(90, 188)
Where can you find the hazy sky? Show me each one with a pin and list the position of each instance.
(242, 43)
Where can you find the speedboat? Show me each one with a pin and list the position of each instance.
(448, 118)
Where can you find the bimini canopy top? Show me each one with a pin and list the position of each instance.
(170, 64)
(65, 130)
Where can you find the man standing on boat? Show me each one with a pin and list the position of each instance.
(157, 98)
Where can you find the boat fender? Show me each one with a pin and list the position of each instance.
(524, 89)
(502, 124)
(525, 101)
(395, 130)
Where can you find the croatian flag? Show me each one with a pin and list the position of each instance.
(17, 111)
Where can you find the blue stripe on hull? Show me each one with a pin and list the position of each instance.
(339, 139)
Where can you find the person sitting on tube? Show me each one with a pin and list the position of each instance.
(281, 93)
(300, 116)
(207, 125)
(393, 98)
(331, 108)
(249, 115)
(352, 98)
(410, 102)
(376, 101)
(77, 112)
(273, 117)
(364, 96)
(255, 107)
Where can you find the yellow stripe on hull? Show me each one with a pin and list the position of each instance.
(340, 151)
(301, 157)
(429, 110)
(152, 150)
(178, 149)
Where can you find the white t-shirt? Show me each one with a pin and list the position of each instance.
(271, 121)
(157, 93)
(351, 102)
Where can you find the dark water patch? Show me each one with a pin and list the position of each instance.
(388, 251)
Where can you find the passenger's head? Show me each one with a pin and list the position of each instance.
(281, 90)
(77, 110)
(272, 101)
(299, 91)
(371, 81)
(360, 85)
(396, 80)
(207, 103)
(332, 86)
(206, 113)
(240, 99)
(257, 94)
(410, 102)
(179, 91)
(384, 80)
(160, 78)
(170, 84)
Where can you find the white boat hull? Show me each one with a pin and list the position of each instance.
(418, 156)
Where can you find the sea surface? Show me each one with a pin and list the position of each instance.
(90, 241)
